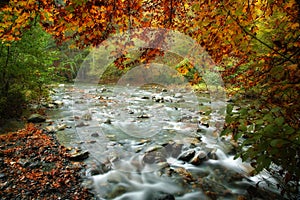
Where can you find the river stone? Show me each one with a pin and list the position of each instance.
(95, 134)
(50, 105)
(153, 148)
(199, 158)
(187, 155)
(50, 129)
(162, 196)
(61, 127)
(107, 121)
(36, 118)
(87, 117)
(173, 149)
(178, 95)
(214, 189)
(79, 156)
(145, 97)
(143, 116)
(81, 124)
(58, 103)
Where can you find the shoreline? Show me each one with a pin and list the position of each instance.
(33, 165)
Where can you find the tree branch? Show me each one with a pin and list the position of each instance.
(259, 40)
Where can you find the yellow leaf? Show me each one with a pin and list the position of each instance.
(295, 26)
(292, 67)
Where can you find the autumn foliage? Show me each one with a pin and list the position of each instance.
(256, 44)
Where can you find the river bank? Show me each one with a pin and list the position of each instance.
(35, 166)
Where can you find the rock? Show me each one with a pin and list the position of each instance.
(187, 155)
(79, 156)
(61, 127)
(95, 135)
(154, 157)
(178, 95)
(50, 129)
(215, 189)
(153, 148)
(162, 196)
(145, 97)
(185, 174)
(199, 158)
(102, 90)
(50, 105)
(180, 101)
(81, 124)
(108, 121)
(142, 141)
(58, 103)
(87, 117)
(143, 116)
(205, 124)
(36, 118)
(173, 149)
(158, 99)
(92, 172)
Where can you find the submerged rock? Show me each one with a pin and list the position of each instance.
(162, 196)
(36, 118)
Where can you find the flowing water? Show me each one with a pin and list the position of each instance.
(152, 143)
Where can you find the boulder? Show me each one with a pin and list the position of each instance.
(198, 158)
(36, 118)
(187, 155)
(79, 156)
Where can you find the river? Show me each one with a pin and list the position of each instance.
(153, 143)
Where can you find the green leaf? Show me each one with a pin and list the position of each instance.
(243, 112)
(229, 119)
(229, 109)
(278, 143)
(279, 121)
(288, 130)
(242, 127)
(259, 122)
(270, 129)
(268, 117)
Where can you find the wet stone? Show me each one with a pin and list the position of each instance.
(178, 95)
(214, 189)
(173, 149)
(143, 116)
(187, 155)
(87, 117)
(81, 124)
(61, 127)
(92, 172)
(107, 121)
(95, 135)
(162, 196)
(36, 118)
(50, 129)
(153, 148)
(199, 158)
(58, 103)
(79, 156)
